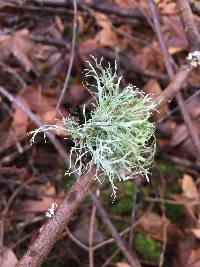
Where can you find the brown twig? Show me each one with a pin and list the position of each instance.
(106, 263)
(165, 225)
(71, 59)
(133, 213)
(106, 220)
(189, 24)
(75, 240)
(49, 233)
(49, 41)
(195, 7)
(136, 14)
(5, 211)
(190, 126)
(85, 186)
(174, 86)
(12, 71)
(171, 112)
(48, 236)
(91, 234)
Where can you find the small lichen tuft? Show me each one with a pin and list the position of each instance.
(118, 136)
(194, 59)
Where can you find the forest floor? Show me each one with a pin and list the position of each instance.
(46, 44)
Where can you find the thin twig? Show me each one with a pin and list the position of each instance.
(83, 184)
(75, 240)
(165, 225)
(37, 252)
(195, 7)
(135, 194)
(135, 14)
(49, 41)
(12, 71)
(106, 263)
(189, 24)
(173, 202)
(70, 61)
(120, 244)
(190, 126)
(5, 211)
(174, 86)
(49, 233)
(91, 234)
(171, 112)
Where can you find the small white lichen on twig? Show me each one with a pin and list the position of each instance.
(51, 211)
(194, 59)
(119, 138)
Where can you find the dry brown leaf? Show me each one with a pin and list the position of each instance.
(7, 258)
(176, 37)
(122, 264)
(77, 95)
(193, 106)
(153, 87)
(166, 6)
(47, 196)
(180, 135)
(152, 225)
(88, 47)
(19, 45)
(194, 258)
(125, 4)
(106, 36)
(184, 250)
(18, 130)
(149, 57)
(189, 188)
(196, 232)
(20, 119)
(49, 116)
(40, 103)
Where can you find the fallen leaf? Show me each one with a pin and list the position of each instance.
(153, 87)
(125, 4)
(152, 224)
(82, 232)
(43, 105)
(46, 197)
(49, 116)
(88, 47)
(20, 119)
(122, 264)
(19, 45)
(194, 258)
(196, 232)
(184, 251)
(7, 257)
(180, 135)
(106, 36)
(176, 38)
(149, 57)
(77, 95)
(189, 188)
(166, 6)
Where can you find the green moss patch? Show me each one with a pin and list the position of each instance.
(147, 248)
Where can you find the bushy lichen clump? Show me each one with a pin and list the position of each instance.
(118, 136)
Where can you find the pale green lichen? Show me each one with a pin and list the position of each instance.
(119, 136)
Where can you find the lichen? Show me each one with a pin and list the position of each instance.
(118, 137)
(194, 59)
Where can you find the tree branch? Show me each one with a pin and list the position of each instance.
(189, 24)
(36, 253)
(189, 123)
